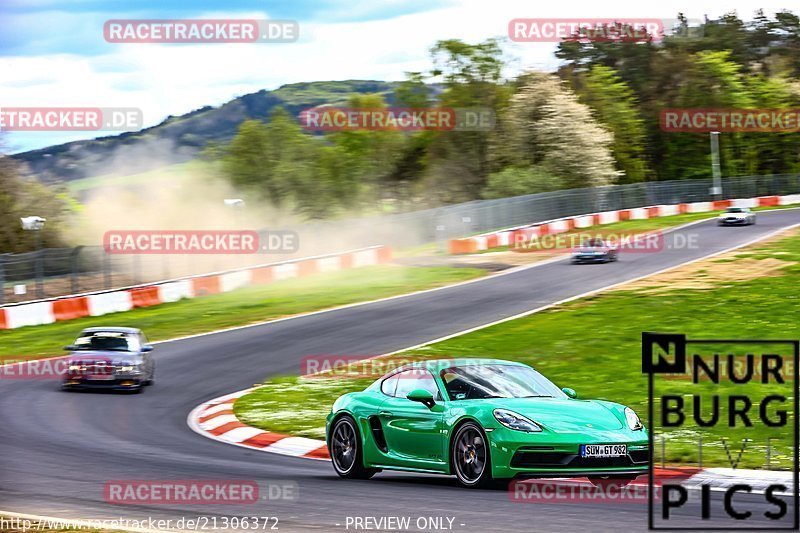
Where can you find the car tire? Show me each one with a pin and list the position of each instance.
(347, 454)
(470, 457)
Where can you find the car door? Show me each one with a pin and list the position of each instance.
(413, 431)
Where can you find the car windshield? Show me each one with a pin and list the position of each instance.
(593, 243)
(472, 382)
(735, 210)
(108, 341)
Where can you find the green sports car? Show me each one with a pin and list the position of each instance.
(486, 422)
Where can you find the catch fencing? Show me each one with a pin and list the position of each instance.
(56, 272)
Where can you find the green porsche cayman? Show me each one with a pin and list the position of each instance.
(486, 422)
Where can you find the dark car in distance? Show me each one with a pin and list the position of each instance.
(594, 250)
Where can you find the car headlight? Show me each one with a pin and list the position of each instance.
(75, 367)
(632, 419)
(512, 420)
(127, 369)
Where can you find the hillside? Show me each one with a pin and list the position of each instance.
(179, 138)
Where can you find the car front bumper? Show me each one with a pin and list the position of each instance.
(118, 383)
(733, 222)
(590, 258)
(518, 455)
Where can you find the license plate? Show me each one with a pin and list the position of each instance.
(604, 450)
(99, 377)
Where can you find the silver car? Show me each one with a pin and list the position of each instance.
(737, 216)
(109, 358)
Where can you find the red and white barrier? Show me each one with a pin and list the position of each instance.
(608, 217)
(29, 315)
(102, 303)
(669, 210)
(487, 241)
(110, 302)
(175, 290)
(698, 207)
(745, 202)
(235, 280)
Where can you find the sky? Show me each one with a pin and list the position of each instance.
(53, 53)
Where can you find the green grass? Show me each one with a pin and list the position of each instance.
(244, 306)
(593, 346)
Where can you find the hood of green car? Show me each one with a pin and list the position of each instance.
(562, 415)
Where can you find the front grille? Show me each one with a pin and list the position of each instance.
(640, 456)
(533, 459)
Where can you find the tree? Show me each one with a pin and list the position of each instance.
(615, 107)
(247, 160)
(269, 159)
(516, 181)
(21, 197)
(712, 81)
(459, 160)
(547, 126)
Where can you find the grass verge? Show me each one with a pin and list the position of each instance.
(244, 306)
(593, 346)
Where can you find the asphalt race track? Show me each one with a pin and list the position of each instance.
(57, 450)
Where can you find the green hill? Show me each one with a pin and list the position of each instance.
(180, 138)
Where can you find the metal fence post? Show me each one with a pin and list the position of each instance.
(107, 269)
(39, 265)
(73, 267)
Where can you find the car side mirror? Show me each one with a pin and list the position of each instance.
(422, 396)
(147, 348)
(70, 347)
(570, 392)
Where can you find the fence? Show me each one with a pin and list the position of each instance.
(56, 272)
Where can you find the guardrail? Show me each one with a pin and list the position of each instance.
(509, 236)
(124, 299)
